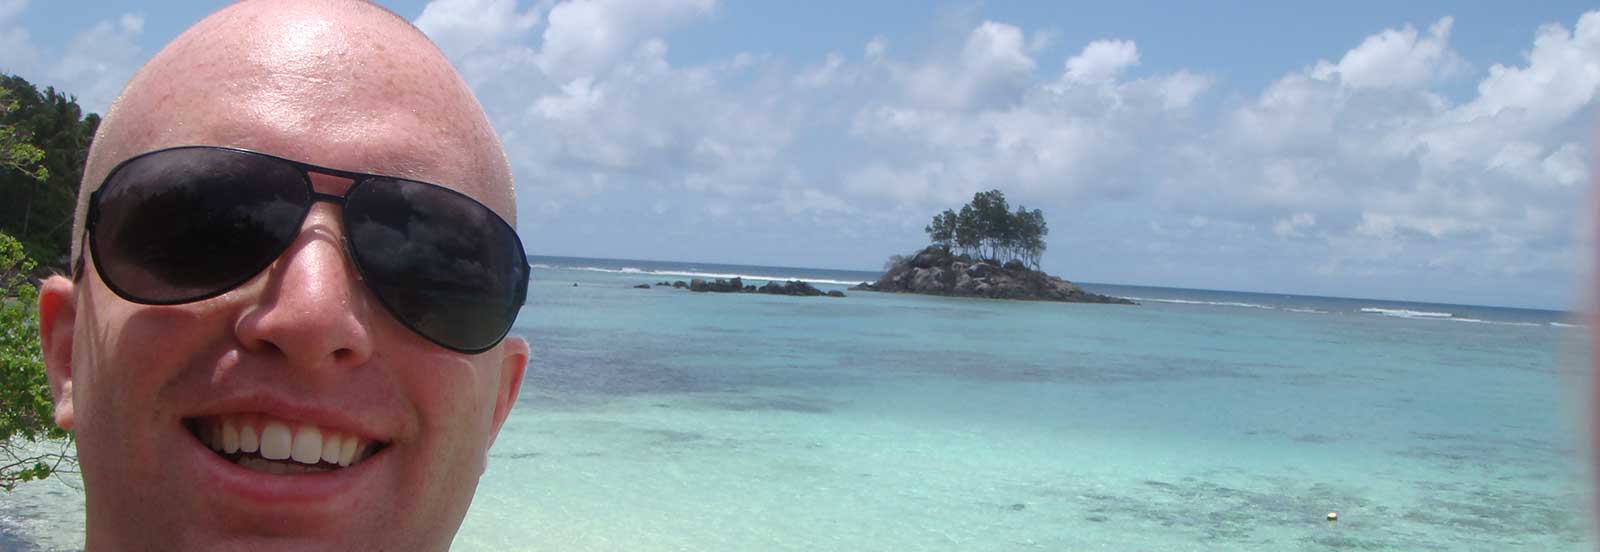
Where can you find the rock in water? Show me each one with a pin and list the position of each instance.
(737, 285)
(935, 271)
(792, 287)
(719, 286)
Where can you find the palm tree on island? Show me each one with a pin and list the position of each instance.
(983, 250)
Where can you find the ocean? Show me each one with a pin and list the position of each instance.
(661, 419)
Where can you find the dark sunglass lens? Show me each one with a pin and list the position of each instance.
(444, 264)
(184, 224)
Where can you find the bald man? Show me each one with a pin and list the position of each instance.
(295, 272)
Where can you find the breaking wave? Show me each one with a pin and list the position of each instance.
(1407, 313)
(1239, 304)
(694, 274)
(1382, 311)
(1429, 315)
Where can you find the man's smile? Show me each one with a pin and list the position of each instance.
(265, 443)
(269, 456)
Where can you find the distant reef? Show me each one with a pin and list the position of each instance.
(737, 285)
(935, 271)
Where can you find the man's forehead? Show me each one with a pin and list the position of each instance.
(392, 142)
(389, 142)
(300, 86)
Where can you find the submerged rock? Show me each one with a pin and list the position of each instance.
(792, 287)
(720, 285)
(737, 285)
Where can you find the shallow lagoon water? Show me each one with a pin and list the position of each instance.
(667, 420)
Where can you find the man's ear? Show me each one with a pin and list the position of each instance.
(58, 315)
(513, 363)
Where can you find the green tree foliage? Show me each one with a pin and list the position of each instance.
(28, 433)
(943, 228)
(44, 142)
(987, 228)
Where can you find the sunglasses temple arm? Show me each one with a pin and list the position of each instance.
(83, 251)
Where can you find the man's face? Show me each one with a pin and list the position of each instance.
(302, 349)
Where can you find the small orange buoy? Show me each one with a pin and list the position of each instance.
(1333, 516)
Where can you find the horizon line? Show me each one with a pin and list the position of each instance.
(1568, 311)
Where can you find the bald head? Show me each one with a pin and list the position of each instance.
(336, 83)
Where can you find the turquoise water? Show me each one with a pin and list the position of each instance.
(667, 420)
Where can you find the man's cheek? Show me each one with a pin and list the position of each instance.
(462, 424)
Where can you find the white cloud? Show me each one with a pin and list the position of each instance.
(876, 47)
(1294, 226)
(1180, 89)
(585, 36)
(1397, 58)
(991, 70)
(1565, 166)
(17, 53)
(996, 47)
(576, 100)
(99, 61)
(821, 75)
(905, 184)
(1404, 181)
(1561, 77)
(463, 26)
(811, 200)
(1102, 60)
(95, 65)
(10, 8)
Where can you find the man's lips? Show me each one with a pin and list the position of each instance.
(264, 443)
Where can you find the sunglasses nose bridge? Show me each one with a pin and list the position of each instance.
(326, 185)
(328, 198)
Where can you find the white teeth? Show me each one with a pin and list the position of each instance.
(307, 445)
(331, 444)
(230, 437)
(248, 441)
(275, 441)
(347, 450)
(258, 440)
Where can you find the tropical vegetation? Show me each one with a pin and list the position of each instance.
(44, 141)
(987, 228)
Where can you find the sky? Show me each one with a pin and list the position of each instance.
(1429, 151)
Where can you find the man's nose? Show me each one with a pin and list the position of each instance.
(311, 310)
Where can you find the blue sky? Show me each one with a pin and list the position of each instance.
(1417, 150)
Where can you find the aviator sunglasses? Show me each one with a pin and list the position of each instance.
(189, 223)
